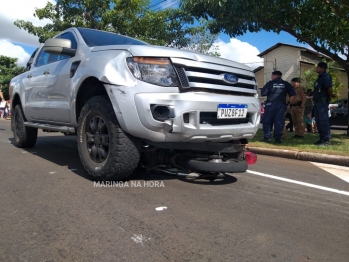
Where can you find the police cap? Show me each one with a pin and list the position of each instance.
(277, 73)
(322, 65)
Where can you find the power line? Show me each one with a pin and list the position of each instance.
(158, 3)
(175, 2)
(167, 5)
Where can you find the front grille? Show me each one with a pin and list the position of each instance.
(201, 76)
(218, 82)
(214, 72)
(210, 118)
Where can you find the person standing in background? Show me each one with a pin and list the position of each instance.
(297, 109)
(2, 107)
(308, 109)
(275, 105)
(321, 96)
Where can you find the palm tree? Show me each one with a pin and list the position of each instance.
(333, 69)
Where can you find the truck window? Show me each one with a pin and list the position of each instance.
(31, 59)
(43, 58)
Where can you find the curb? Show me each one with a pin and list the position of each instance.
(304, 156)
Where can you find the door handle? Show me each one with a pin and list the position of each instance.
(29, 76)
(46, 72)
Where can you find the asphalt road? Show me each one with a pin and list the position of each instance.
(51, 211)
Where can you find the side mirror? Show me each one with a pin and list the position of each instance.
(57, 46)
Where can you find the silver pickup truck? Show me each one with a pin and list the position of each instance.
(133, 104)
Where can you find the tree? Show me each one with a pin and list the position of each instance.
(323, 24)
(203, 42)
(168, 27)
(8, 70)
(310, 77)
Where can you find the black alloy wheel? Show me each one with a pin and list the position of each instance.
(97, 139)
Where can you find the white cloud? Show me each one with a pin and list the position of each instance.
(22, 10)
(12, 10)
(239, 51)
(9, 49)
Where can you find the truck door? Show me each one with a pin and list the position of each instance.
(48, 98)
(36, 96)
(60, 96)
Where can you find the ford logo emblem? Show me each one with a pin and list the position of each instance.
(230, 78)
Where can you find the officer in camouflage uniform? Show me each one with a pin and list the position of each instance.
(275, 105)
(297, 109)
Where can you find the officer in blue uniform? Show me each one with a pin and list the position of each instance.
(321, 96)
(275, 105)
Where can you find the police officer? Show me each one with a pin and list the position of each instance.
(297, 109)
(321, 97)
(275, 105)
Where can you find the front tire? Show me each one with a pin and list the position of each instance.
(25, 137)
(105, 150)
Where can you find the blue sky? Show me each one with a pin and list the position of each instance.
(18, 43)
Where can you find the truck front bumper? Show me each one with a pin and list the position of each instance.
(194, 117)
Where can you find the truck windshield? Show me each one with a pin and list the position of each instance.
(100, 38)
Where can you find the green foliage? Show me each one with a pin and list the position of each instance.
(203, 42)
(169, 27)
(323, 24)
(8, 70)
(310, 77)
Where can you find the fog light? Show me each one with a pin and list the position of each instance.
(251, 158)
(161, 112)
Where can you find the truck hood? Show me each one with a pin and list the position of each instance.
(159, 51)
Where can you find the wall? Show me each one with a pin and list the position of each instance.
(260, 78)
(285, 59)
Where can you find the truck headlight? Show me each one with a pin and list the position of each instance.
(157, 71)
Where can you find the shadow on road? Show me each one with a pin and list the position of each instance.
(62, 151)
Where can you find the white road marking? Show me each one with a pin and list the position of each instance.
(300, 183)
(339, 171)
(160, 208)
(52, 173)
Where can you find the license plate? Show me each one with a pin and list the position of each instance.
(232, 111)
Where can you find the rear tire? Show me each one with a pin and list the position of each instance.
(105, 150)
(25, 137)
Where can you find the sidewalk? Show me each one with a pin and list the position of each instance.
(299, 155)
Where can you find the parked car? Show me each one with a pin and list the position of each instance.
(339, 113)
(131, 103)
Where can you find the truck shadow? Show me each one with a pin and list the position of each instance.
(62, 151)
